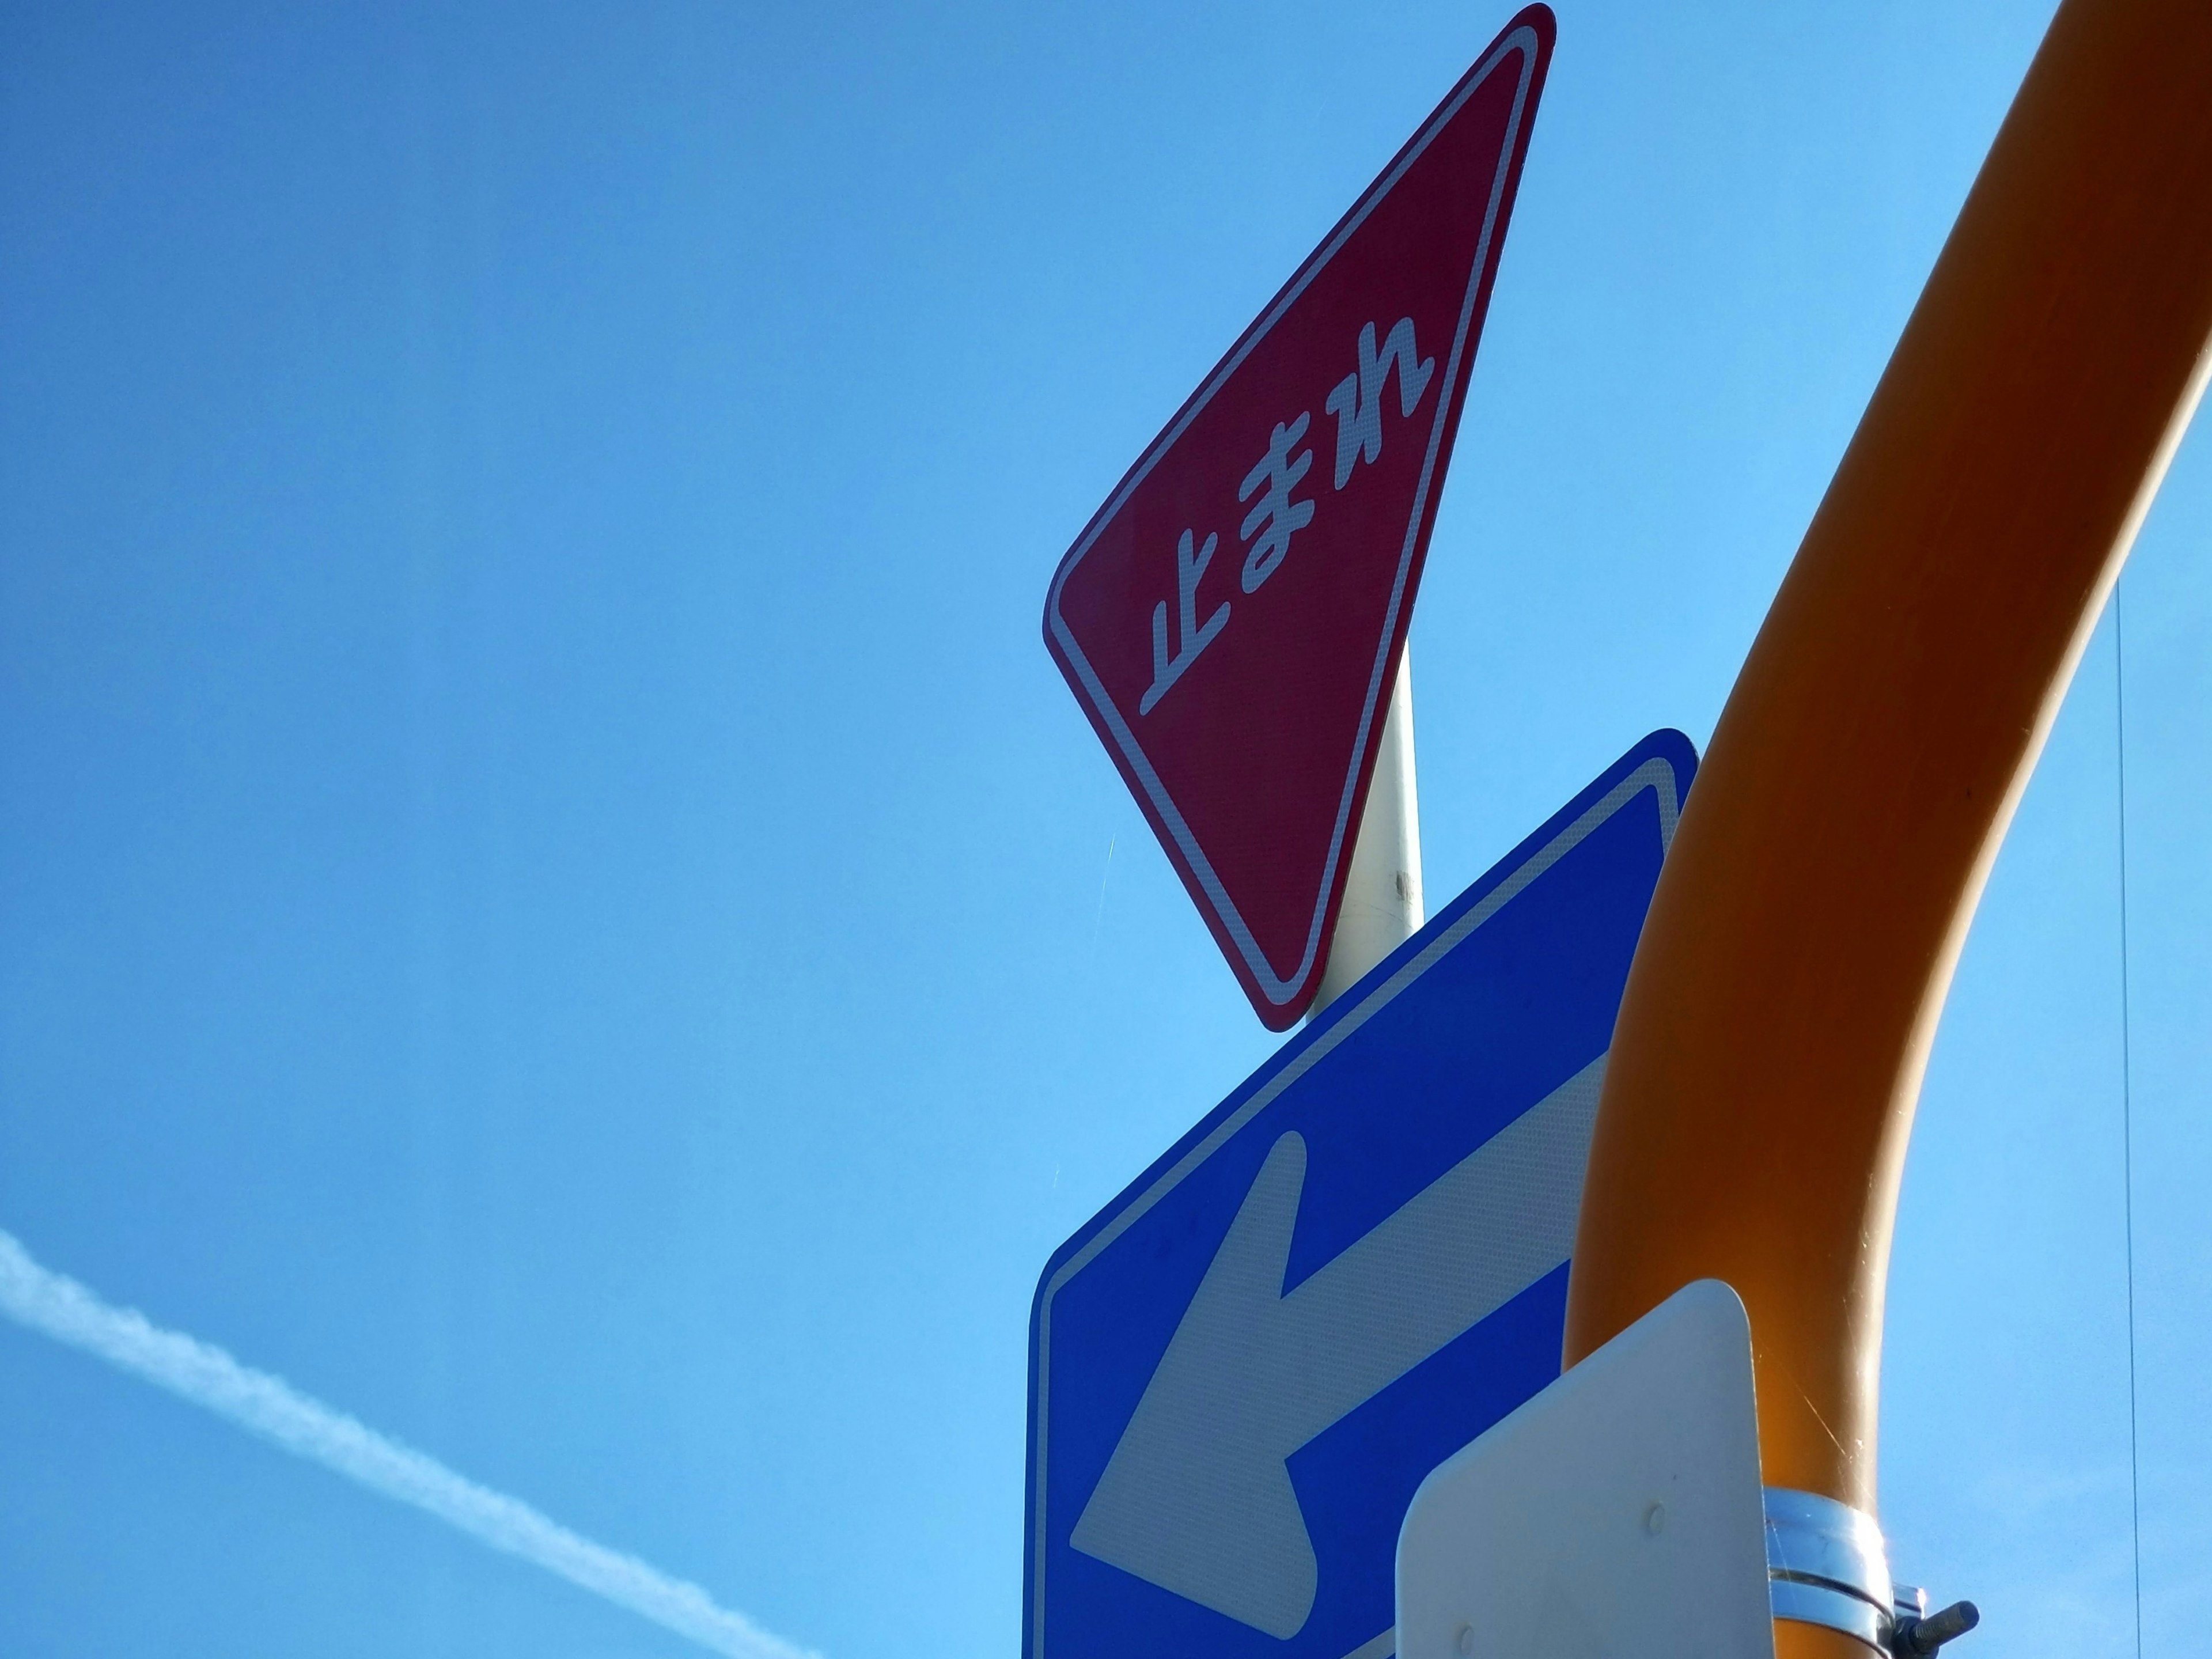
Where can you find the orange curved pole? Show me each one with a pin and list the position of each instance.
(1778, 1016)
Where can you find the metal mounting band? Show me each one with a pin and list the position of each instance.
(1809, 1603)
(1826, 1565)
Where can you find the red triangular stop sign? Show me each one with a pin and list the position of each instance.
(1231, 618)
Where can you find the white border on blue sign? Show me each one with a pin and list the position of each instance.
(1657, 774)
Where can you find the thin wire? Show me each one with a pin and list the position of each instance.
(2127, 1102)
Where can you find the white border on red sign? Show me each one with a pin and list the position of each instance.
(1278, 990)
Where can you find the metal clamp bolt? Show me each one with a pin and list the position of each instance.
(1826, 1565)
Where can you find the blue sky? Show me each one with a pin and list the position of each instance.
(551, 895)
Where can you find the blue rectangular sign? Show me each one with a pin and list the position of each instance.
(1242, 1368)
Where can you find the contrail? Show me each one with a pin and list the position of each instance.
(61, 1308)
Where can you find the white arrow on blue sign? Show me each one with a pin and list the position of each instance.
(1241, 1369)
